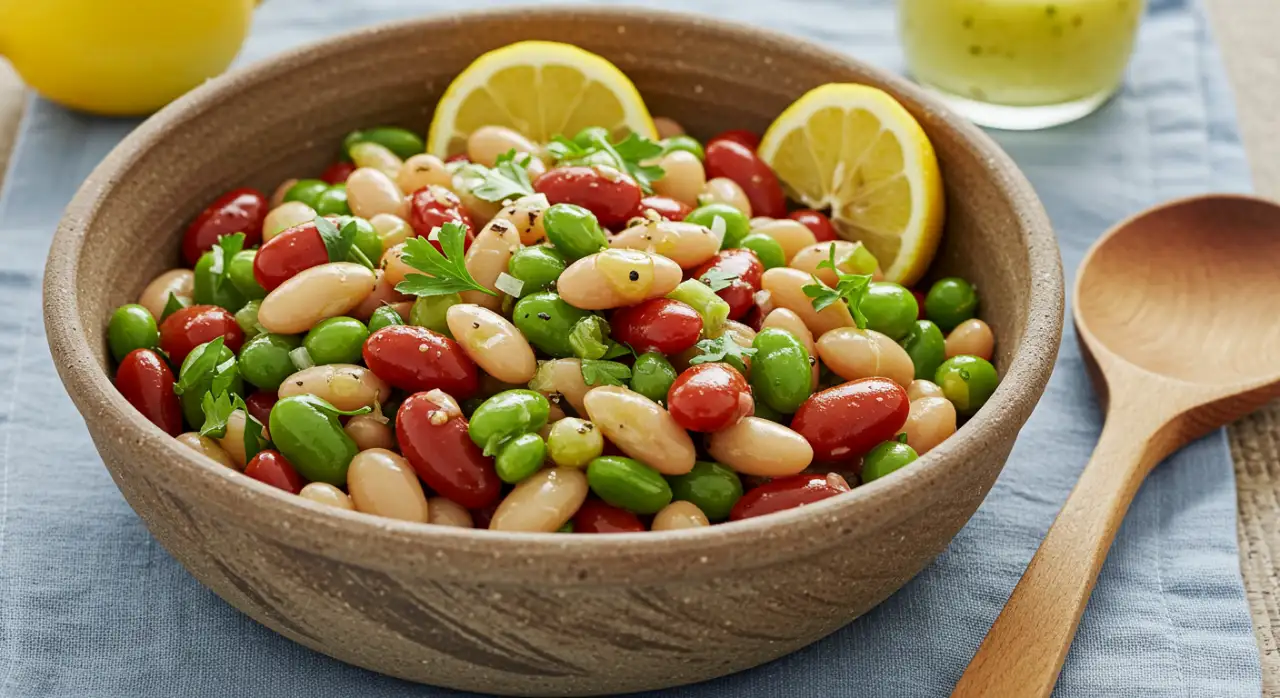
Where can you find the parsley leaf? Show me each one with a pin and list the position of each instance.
(604, 372)
(626, 155)
(850, 288)
(223, 250)
(201, 368)
(617, 349)
(507, 179)
(442, 274)
(325, 406)
(340, 244)
(634, 150)
(562, 148)
(718, 279)
(723, 348)
(253, 441)
(217, 410)
(589, 336)
(173, 305)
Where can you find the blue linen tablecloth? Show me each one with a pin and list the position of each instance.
(91, 606)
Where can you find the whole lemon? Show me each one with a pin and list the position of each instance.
(120, 57)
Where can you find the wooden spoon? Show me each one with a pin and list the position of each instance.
(1176, 310)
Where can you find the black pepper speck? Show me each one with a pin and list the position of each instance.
(543, 316)
(634, 275)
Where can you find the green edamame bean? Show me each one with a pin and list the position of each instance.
(780, 370)
(247, 319)
(545, 320)
(131, 327)
(573, 230)
(520, 457)
(652, 376)
(890, 309)
(385, 316)
(711, 487)
(766, 248)
(763, 411)
(927, 348)
(688, 144)
(967, 381)
(429, 312)
(337, 340)
(333, 201)
(566, 528)
(886, 458)
(736, 226)
(265, 362)
(306, 430)
(536, 267)
(950, 302)
(628, 484)
(403, 142)
(241, 274)
(573, 442)
(367, 238)
(209, 290)
(507, 415)
(307, 191)
(191, 399)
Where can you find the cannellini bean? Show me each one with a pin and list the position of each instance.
(487, 143)
(382, 294)
(277, 197)
(324, 493)
(492, 342)
(345, 386)
(543, 502)
(208, 447)
(392, 229)
(683, 177)
(723, 190)
(851, 258)
(741, 334)
(923, 388)
(377, 157)
(614, 278)
(677, 515)
(759, 221)
(930, 422)
(384, 484)
(686, 244)
(756, 446)
(488, 257)
(423, 170)
(233, 441)
(667, 127)
(464, 181)
(446, 512)
(641, 428)
(786, 320)
(525, 214)
(786, 290)
(369, 432)
(972, 337)
(394, 267)
(285, 216)
(562, 377)
(315, 294)
(371, 192)
(179, 282)
(793, 236)
(852, 353)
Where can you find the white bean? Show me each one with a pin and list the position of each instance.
(786, 290)
(852, 353)
(614, 278)
(492, 342)
(641, 428)
(315, 294)
(543, 502)
(686, 244)
(371, 192)
(756, 446)
(179, 282)
(423, 170)
(345, 386)
(487, 258)
(285, 216)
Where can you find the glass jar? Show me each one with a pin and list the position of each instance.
(1020, 64)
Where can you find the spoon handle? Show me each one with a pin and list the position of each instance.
(1024, 650)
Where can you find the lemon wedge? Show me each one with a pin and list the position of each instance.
(541, 89)
(855, 150)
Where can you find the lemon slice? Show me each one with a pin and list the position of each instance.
(856, 150)
(541, 89)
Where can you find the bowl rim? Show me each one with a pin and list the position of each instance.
(369, 541)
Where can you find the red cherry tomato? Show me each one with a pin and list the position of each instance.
(709, 397)
(238, 211)
(740, 293)
(738, 135)
(817, 223)
(658, 324)
(665, 206)
(433, 206)
(415, 358)
(288, 253)
(260, 404)
(144, 379)
(594, 516)
(612, 196)
(787, 493)
(728, 158)
(458, 157)
(338, 172)
(436, 444)
(920, 314)
(272, 468)
(844, 422)
(194, 325)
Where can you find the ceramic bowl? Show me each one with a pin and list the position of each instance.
(533, 613)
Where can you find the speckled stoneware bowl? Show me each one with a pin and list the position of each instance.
(545, 613)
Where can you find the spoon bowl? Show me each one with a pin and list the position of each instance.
(1175, 311)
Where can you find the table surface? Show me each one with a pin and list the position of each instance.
(1246, 30)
